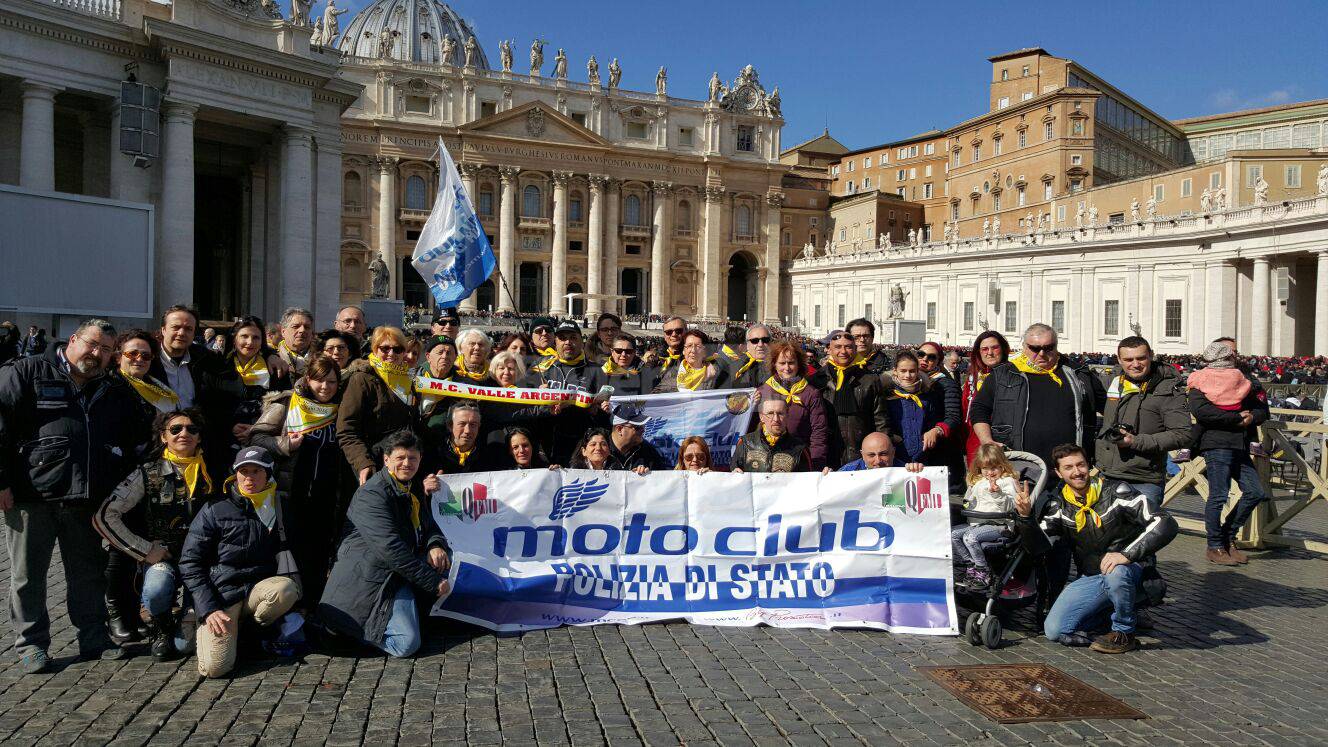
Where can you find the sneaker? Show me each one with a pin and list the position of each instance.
(1237, 555)
(36, 662)
(1220, 556)
(1076, 639)
(980, 578)
(1115, 643)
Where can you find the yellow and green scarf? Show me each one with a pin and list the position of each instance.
(1086, 506)
(264, 501)
(193, 468)
(395, 375)
(1023, 364)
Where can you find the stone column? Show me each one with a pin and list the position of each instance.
(1260, 308)
(659, 250)
(469, 174)
(175, 236)
(558, 265)
(1146, 315)
(773, 233)
(257, 230)
(711, 246)
(96, 152)
(36, 163)
(507, 239)
(1320, 304)
(595, 252)
(1079, 314)
(1215, 299)
(612, 241)
(327, 228)
(387, 218)
(296, 202)
(128, 182)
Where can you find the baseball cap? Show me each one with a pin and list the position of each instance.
(567, 325)
(628, 415)
(255, 455)
(448, 315)
(437, 340)
(542, 321)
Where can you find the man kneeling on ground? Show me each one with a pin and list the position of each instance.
(1114, 536)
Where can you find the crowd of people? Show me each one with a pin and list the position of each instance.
(268, 478)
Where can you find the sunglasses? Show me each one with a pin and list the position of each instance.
(391, 349)
(1035, 349)
(136, 355)
(676, 331)
(624, 351)
(541, 330)
(758, 341)
(841, 336)
(929, 356)
(609, 329)
(193, 430)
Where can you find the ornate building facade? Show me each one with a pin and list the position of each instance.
(649, 202)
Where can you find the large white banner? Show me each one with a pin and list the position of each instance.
(720, 416)
(539, 548)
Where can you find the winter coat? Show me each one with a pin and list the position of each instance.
(1006, 391)
(1160, 418)
(809, 419)
(317, 461)
(152, 504)
(857, 408)
(369, 411)
(228, 550)
(60, 443)
(640, 455)
(754, 454)
(910, 422)
(1216, 428)
(571, 419)
(381, 552)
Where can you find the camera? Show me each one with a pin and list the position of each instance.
(1117, 433)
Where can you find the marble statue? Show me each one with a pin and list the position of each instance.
(471, 48)
(912, 237)
(1150, 207)
(331, 26)
(316, 39)
(505, 55)
(1206, 201)
(378, 277)
(1028, 222)
(1092, 215)
(996, 226)
(661, 82)
(536, 57)
(592, 70)
(772, 102)
(1220, 199)
(986, 228)
(888, 245)
(1079, 217)
(299, 12)
(1134, 210)
(945, 232)
(808, 251)
(716, 87)
(1323, 180)
(449, 49)
(1042, 223)
(385, 41)
(827, 247)
(880, 241)
(560, 64)
(615, 74)
(1260, 190)
(898, 300)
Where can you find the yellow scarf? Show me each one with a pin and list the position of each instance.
(193, 468)
(861, 359)
(1022, 363)
(981, 378)
(306, 415)
(612, 369)
(791, 394)
(414, 502)
(750, 362)
(546, 352)
(395, 375)
(690, 378)
(1125, 387)
(460, 368)
(1085, 508)
(729, 352)
(297, 362)
(898, 394)
(669, 359)
(254, 373)
(839, 372)
(262, 501)
(155, 393)
(768, 438)
(462, 456)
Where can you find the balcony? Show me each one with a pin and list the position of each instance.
(352, 210)
(533, 223)
(744, 238)
(635, 232)
(102, 8)
(576, 225)
(407, 215)
(683, 233)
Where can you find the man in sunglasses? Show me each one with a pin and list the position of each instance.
(541, 340)
(622, 369)
(749, 369)
(446, 324)
(867, 354)
(1037, 401)
(674, 327)
(855, 396)
(67, 438)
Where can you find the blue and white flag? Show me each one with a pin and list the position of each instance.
(720, 416)
(453, 254)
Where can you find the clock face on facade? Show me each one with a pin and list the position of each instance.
(746, 97)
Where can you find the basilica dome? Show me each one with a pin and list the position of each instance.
(409, 31)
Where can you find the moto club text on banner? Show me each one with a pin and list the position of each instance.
(719, 415)
(539, 548)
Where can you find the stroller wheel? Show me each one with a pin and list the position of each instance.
(991, 632)
(972, 630)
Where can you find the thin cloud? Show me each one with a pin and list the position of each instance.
(1228, 99)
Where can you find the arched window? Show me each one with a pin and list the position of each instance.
(416, 193)
(742, 220)
(530, 202)
(684, 217)
(632, 211)
(574, 207)
(352, 276)
(352, 189)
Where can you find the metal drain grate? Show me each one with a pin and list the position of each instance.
(1020, 693)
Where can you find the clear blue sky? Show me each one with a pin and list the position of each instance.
(876, 71)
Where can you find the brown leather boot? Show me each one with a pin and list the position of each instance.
(1220, 556)
(1237, 555)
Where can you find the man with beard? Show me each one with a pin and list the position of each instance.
(66, 441)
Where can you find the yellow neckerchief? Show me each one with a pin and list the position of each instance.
(791, 394)
(750, 362)
(670, 358)
(298, 362)
(1086, 507)
(690, 378)
(395, 375)
(901, 394)
(1021, 363)
(578, 360)
(154, 393)
(1122, 387)
(193, 467)
(860, 359)
(981, 378)
(307, 415)
(254, 373)
(546, 352)
(414, 502)
(612, 369)
(462, 456)
(460, 367)
(768, 438)
(729, 352)
(839, 372)
(262, 501)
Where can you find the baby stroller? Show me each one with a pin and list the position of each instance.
(1017, 580)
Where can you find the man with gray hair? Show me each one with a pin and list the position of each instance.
(1037, 400)
(749, 370)
(66, 440)
(297, 339)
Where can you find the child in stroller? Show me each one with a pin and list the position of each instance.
(988, 511)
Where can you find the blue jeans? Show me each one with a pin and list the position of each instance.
(402, 636)
(1152, 491)
(966, 541)
(1223, 466)
(1081, 603)
(160, 581)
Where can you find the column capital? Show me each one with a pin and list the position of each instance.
(597, 182)
(561, 178)
(661, 189)
(469, 169)
(386, 165)
(36, 89)
(775, 199)
(179, 111)
(297, 135)
(508, 173)
(712, 192)
(613, 184)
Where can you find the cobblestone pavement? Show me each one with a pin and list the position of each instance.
(1238, 657)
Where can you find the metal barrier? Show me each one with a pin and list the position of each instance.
(1295, 441)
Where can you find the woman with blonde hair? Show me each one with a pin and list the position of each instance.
(379, 399)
